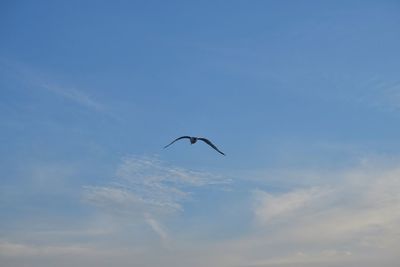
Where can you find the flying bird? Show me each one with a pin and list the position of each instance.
(194, 140)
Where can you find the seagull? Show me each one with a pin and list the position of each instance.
(194, 140)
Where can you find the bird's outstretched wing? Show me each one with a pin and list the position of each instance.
(208, 142)
(179, 138)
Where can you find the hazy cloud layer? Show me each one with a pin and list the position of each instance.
(352, 220)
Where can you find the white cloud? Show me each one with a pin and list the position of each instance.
(149, 185)
(271, 206)
(347, 218)
(157, 227)
(358, 214)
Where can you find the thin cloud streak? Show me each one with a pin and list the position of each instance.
(157, 227)
(381, 93)
(75, 95)
(39, 79)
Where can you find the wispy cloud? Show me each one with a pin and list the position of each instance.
(156, 227)
(381, 93)
(74, 95)
(352, 218)
(40, 79)
(148, 184)
(147, 190)
(285, 205)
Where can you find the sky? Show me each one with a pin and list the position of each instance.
(303, 97)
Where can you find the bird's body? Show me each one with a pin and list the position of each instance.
(193, 140)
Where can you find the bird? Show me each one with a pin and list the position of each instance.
(193, 140)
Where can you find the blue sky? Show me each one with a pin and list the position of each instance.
(302, 96)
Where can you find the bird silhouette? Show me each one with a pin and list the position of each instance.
(194, 140)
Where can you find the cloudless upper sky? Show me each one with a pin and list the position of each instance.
(296, 93)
